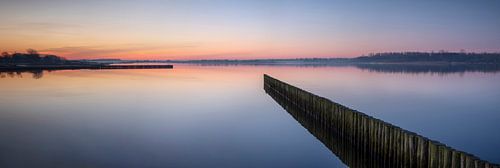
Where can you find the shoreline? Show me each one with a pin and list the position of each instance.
(75, 67)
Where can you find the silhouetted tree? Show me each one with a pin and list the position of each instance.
(5, 54)
(32, 51)
(31, 57)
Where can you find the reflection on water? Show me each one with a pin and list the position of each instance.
(416, 68)
(343, 148)
(219, 116)
(360, 140)
(441, 69)
(35, 74)
(432, 69)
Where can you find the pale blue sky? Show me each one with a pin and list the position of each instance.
(247, 29)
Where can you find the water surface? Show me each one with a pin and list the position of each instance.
(220, 116)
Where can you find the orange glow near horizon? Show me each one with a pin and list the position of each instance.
(229, 49)
(211, 49)
(227, 29)
(182, 53)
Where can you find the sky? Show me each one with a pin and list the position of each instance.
(251, 29)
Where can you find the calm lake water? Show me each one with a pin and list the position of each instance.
(220, 116)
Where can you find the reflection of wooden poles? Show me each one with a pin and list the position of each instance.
(360, 140)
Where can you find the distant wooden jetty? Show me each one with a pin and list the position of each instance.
(83, 66)
(360, 140)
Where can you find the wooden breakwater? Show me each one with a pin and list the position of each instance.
(360, 140)
(82, 66)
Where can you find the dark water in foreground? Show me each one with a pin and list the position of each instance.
(220, 116)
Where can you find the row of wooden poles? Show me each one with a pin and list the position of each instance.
(366, 141)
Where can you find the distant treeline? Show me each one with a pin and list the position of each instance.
(31, 57)
(296, 61)
(450, 57)
(390, 57)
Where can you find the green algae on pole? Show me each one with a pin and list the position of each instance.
(360, 140)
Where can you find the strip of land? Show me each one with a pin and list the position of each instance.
(402, 58)
(418, 62)
(83, 66)
(33, 61)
